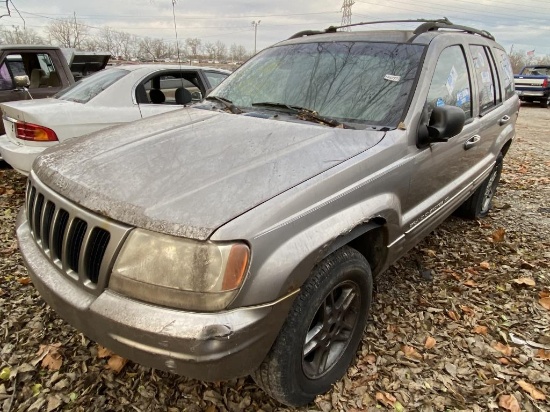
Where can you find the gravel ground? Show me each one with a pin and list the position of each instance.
(462, 323)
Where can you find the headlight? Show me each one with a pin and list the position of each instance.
(178, 272)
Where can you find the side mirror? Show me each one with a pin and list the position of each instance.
(22, 81)
(444, 123)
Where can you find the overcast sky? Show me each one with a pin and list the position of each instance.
(525, 24)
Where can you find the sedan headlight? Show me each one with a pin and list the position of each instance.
(178, 272)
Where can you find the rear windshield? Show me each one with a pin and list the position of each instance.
(353, 82)
(88, 88)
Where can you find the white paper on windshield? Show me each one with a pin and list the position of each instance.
(451, 80)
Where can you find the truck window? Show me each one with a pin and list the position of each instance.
(486, 78)
(451, 81)
(6, 82)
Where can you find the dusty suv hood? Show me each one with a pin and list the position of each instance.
(190, 171)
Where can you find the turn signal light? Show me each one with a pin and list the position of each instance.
(34, 132)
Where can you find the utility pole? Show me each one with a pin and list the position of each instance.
(346, 13)
(255, 24)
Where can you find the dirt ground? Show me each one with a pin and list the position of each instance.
(462, 323)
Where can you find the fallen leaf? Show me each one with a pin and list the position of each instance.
(498, 235)
(116, 363)
(49, 356)
(545, 303)
(53, 403)
(430, 342)
(485, 265)
(36, 388)
(544, 294)
(386, 398)
(480, 330)
(453, 315)
(24, 281)
(371, 359)
(509, 402)
(471, 283)
(5, 374)
(525, 281)
(504, 361)
(543, 354)
(468, 310)
(531, 390)
(411, 352)
(103, 352)
(504, 349)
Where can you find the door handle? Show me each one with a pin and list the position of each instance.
(472, 141)
(505, 119)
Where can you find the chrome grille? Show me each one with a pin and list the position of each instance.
(82, 244)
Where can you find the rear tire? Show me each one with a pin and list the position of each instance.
(321, 334)
(544, 103)
(480, 202)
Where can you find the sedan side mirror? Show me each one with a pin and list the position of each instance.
(445, 122)
(22, 81)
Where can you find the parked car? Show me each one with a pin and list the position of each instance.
(242, 236)
(533, 84)
(37, 72)
(110, 97)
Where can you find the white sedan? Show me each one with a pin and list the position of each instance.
(110, 97)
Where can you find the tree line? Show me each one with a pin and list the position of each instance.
(69, 33)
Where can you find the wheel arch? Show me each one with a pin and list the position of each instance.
(369, 238)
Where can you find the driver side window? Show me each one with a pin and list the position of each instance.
(451, 82)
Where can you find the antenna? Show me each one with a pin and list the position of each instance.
(346, 13)
(177, 42)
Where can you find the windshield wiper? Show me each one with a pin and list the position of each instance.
(306, 114)
(227, 103)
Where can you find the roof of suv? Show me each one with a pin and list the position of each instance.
(424, 33)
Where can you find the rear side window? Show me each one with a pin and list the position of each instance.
(507, 74)
(451, 81)
(88, 88)
(489, 92)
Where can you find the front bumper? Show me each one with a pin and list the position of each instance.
(205, 346)
(20, 157)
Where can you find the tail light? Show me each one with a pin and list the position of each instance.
(34, 132)
(545, 83)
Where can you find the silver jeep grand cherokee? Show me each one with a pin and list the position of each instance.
(242, 236)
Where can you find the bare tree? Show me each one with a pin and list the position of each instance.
(238, 52)
(18, 36)
(68, 33)
(154, 49)
(193, 46)
(220, 50)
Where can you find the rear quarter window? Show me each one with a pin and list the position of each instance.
(88, 88)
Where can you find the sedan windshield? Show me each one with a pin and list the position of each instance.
(89, 87)
(353, 82)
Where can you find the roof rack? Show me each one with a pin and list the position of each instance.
(427, 25)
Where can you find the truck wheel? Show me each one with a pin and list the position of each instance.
(544, 103)
(322, 331)
(480, 202)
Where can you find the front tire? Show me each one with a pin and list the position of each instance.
(481, 201)
(321, 334)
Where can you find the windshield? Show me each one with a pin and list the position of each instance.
(88, 88)
(353, 82)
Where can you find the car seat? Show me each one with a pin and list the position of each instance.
(157, 96)
(183, 96)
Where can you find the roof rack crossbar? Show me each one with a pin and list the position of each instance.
(427, 25)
